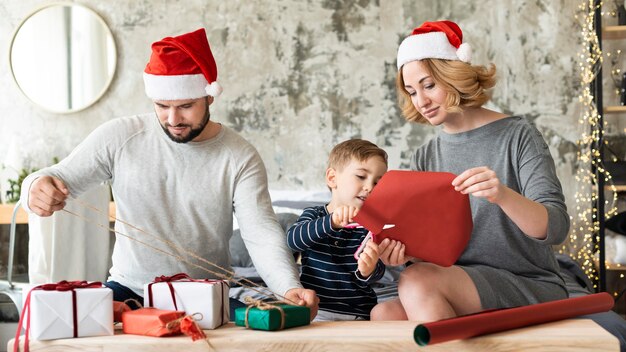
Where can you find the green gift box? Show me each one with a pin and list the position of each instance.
(271, 319)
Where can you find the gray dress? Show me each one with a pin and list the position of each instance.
(508, 267)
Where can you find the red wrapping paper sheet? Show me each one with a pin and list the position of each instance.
(505, 319)
(432, 219)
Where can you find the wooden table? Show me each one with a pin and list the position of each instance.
(381, 336)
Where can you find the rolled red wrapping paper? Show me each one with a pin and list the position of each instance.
(511, 318)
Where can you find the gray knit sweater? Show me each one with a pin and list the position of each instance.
(516, 151)
(185, 193)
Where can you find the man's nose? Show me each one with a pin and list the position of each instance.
(173, 117)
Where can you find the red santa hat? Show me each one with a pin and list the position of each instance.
(181, 67)
(434, 40)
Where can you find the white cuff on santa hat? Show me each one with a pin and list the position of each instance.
(433, 45)
(179, 87)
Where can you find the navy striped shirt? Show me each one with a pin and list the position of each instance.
(328, 264)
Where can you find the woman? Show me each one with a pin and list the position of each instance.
(502, 162)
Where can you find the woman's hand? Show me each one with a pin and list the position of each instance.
(530, 216)
(392, 252)
(480, 182)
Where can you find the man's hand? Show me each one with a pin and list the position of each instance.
(46, 195)
(368, 259)
(343, 215)
(304, 297)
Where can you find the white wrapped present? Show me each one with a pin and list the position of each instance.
(209, 298)
(68, 309)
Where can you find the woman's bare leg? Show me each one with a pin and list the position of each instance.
(388, 310)
(429, 292)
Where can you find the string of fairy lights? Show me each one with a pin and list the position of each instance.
(584, 238)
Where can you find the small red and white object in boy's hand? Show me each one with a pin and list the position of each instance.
(367, 238)
(354, 225)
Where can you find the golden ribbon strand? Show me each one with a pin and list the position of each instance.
(232, 278)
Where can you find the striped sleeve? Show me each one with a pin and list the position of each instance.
(376, 275)
(310, 228)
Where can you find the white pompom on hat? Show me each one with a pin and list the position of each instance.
(434, 40)
(181, 67)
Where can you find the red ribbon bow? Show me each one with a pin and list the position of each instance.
(190, 328)
(178, 277)
(168, 280)
(68, 285)
(59, 286)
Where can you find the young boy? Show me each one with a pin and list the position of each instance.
(328, 263)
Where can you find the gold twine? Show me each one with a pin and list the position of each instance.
(231, 278)
(255, 303)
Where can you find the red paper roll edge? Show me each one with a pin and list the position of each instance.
(511, 318)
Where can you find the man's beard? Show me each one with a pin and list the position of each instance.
(195, 132)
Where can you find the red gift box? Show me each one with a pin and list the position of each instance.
(152, 322)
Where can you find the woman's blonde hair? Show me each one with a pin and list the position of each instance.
(466, 86)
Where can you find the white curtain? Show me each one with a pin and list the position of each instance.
(66, 247)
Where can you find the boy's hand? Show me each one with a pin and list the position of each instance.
(343, 215)
(368, 259)
(392, 252)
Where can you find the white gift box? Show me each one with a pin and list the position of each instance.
(209, 298)
(52, 313)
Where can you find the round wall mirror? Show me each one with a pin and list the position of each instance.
(63, 57)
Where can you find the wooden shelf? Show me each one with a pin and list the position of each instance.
(6, 213)
(618, 188)
(615, 267)
(616, 109)
(614, 32)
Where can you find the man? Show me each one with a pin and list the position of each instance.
(177, 175)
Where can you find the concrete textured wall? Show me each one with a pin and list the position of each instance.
(300, 76)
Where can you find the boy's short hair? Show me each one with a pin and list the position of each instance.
(358, 149)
